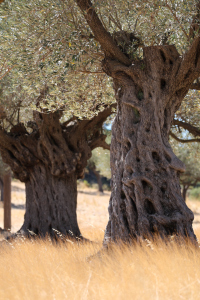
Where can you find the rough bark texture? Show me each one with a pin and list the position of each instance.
(1, 188)
(146, 196)
(49, 160)
(7, 200)
(57, 210)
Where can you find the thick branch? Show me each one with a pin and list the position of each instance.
(101, 35)
(190, 66)
(97, 121)
(99, 142)
(190, 183)
(195, 86)
(183, 141)
(20, 156)
(94, 127)
(192, 129)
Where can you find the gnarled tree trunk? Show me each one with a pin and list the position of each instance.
(146, 196)
(51, 203)
(50, 160)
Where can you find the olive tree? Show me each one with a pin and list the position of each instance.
(189, 154)
(149, 88)
(48, 129)
(150, 50)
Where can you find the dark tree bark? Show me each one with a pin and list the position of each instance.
(51, 203)
(98, 177)
(184, 191)
(146, 196)
(1, 188)
(7, 200)
(50, 160)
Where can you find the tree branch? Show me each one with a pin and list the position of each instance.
(183, 141)
(190, 66)
(195, 86)
(192, 129)
(101, 34)
(99, 142)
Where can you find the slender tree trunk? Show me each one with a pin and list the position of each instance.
(1, 187)
(146, 195)
(98, 177)
(7, 200)
(184, 191)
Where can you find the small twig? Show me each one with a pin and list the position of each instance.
(90, 72)
(175, 17)
(8, 70)
(116, 23)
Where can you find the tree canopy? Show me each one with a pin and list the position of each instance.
(48, 43)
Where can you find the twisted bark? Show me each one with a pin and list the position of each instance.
(146, 196)
(50, 160)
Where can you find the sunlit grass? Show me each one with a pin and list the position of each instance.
(40, 270)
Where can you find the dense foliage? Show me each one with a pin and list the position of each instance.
(48, 44)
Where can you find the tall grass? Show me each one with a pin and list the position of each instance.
(41, 270)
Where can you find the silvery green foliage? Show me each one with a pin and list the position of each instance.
(189, 111)
(101, 159)
(190, 155)
(49, 43)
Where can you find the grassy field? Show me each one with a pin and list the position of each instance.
(41, 270)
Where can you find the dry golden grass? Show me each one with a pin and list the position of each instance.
(40, 270)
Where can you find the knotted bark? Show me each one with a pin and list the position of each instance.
(146, 196)
(49, 160)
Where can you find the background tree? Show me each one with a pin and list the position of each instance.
(1, 177)
(189, 154)
(47, 149)
(99, 164)
(49, 159)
